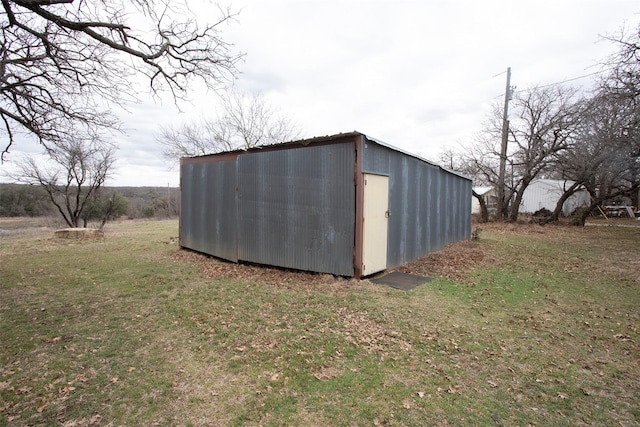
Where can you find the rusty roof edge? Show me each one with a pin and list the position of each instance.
(400, 150)
(326, 138)
(283, 145)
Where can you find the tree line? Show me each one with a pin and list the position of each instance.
(590, 141)
(107, 204)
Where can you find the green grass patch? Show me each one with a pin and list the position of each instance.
(126, 331)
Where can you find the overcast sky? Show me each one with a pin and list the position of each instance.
(419, 75)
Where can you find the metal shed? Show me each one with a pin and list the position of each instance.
(346, 204)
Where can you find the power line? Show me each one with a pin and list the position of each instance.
(557, 83)
(574, 78)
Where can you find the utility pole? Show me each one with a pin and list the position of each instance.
(503, 149)
(168, 200)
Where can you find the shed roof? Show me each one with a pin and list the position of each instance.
(318, 140)
(482, 190)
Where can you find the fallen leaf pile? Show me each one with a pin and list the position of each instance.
(290, 279)
(451, 262)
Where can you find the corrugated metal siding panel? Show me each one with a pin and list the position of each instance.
(545, 193)
(208, 208)
(296, 208)
(430, 207)
(186, 213)
(434, 201)
(538, 195)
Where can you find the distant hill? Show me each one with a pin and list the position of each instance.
(143, 202)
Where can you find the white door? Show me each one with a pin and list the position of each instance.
(374, 236)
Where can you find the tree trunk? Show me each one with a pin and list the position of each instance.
(567, 193)
(502, 211)
(585, 214)
(515, 206)
(635, 194)
(484, 212)
(109, 211)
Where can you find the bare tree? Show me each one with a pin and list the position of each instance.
(605, 157)
(543, 123)
(77, 170)
(623, 78)
(544, 126)
(605, 160)
(252, 121)
(592, 143)
(246, 120)
(622, 86)
(193, 139)
(65, 63)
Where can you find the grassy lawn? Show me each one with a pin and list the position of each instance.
(129, 330)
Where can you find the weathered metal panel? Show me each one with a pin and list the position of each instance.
(430, 206)
(208, 208)
(296, 208)
(434, 205)
(186, 213)
(545, 193)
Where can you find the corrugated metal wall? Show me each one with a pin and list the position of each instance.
(545, 193)
(296, 208)
(208, 208)
(430, 207)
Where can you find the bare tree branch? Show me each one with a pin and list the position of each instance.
(65, 64)
(246, 120)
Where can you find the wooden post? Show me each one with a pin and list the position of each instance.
(503, 148)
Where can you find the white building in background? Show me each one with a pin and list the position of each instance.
(545, 193)
(489, 196)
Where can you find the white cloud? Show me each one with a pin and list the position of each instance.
(416, 74)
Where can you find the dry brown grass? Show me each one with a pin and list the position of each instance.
(530, 325)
